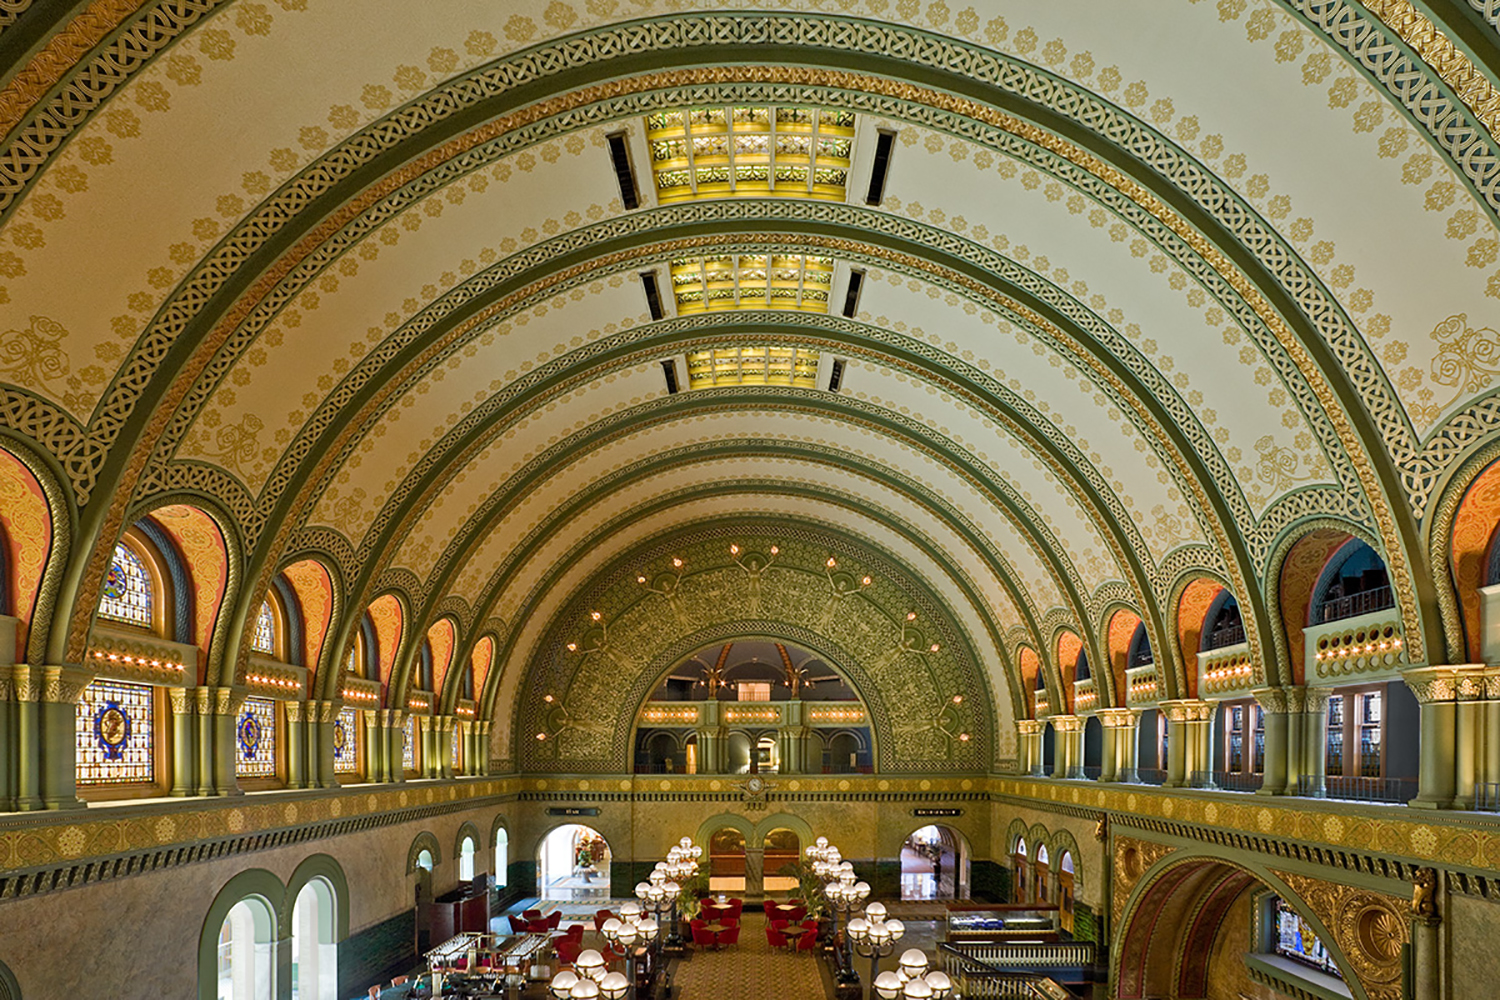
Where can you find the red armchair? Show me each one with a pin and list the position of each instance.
(709, 911)
(736, 907)
(702, 936)
(532, 914)
(808, 941)
(730, 935)
(599, 917)
(575, 931)
(517, 924)
(776, 938)
(568, 950)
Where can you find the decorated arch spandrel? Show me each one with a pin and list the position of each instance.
(26, 518)
(895, 642)
(1472, 551)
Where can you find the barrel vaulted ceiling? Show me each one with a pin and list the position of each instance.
(1151, 289)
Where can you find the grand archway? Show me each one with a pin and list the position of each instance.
(573, 862)
(935, 864)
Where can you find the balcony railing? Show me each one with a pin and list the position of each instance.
(1487, 797)
(1140, 683)
(1151, 775)
(1358, 789)
(1362, 603)
(1229, 781)
(1092, 773)
(1013, 956)
(1226, 669)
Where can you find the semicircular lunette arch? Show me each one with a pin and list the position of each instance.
(896, 642)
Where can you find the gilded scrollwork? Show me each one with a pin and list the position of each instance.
(1369, 927)
(1133, 858)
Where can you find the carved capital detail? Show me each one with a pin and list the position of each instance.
(1434, 684)
(1133, 858)
(293, 712)
(1029, 727)
(1316, 699)
(1272, 700)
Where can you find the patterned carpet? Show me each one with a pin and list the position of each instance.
(751, 970)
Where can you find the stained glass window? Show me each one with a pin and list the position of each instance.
(453, 748)
(753, 281)
(127, 595)
(409, 744)
(115, 734)
(255, 738)
(753, 152)
(265, 630)
(346, 742)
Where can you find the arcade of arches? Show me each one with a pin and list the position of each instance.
(469, 446)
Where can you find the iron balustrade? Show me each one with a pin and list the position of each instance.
(1230, 635)
(1363, 603)
(1004, 986)
(1010, 956)
(1092, 773)
(1358, 789)
(1151, 775)
(1487, 796)
(1235, 781)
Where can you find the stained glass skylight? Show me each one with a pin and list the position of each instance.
(114, 733)
(758, 365)
(752, 281)
(750, 152)
(265, 630)
(127, 595)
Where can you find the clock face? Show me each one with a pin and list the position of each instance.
(755, 785)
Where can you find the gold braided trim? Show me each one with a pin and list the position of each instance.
(1447, 60)
(59, 55)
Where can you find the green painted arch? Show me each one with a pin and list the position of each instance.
(1450, 494)
(724, 821)
(256, 883)
(1014, 589)
(853, 546)
(612, 591)
(63, 515)
(1180, 667)
(10, 987)
(424, 841)
(327, 868)
(1014, 834)
(783, 821)
(468, 829)
(1063, 842)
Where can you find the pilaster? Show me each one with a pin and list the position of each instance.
(1272, 703)
(1030, 731)
(184, 741)
(1118, 761)
(1314, 721)
(1438, 693)
(295, 752)
(1067, 759)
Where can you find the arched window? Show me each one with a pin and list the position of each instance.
(129, 594)
(502, 856)
(1354, 583)
(1140, 649)
(315, 963)
(246, 941)
(466, 860)
(1226, 627)
(424, 859)
(265, 630)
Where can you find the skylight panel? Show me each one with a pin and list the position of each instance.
(751, 152)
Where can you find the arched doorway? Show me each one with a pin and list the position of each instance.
(1020, 873)
(422, 870)
(935, 864)
(1184, 936)
(573, 862)
(1065, 891)
(315, 964)
(502, 857)
(1041, 874)
(782, 847)
(246, 941)
(726, 856)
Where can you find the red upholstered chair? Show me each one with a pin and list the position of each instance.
(780, 925)
(730, 936)
(575, 931)
(775, 937)
(709, 911)
(537, 927)
(599, 917)
(808, 941)
(517, 924)
(554, 919)
(702, 936)
(568, 950)
(736, 907)
(768, 905)
(796, 912)
(532, 914)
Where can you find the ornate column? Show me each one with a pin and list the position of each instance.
(1198, 760)
(482, 748)
(1120, 742)
(445, 724)
(1031, 746)
(431, 764)
(321, 746)
(1468, 734)
(1272, 703)
(1436, 689)
(203, 708)
(1489, 768)
(46, 699)
(1314, 721)
(10, 749)
(1178, 715)
(1425, 920)
(184, 741)
(1109, 758)
(227, 702)
(377, 754)
(1296, 750)
(393, 731)
(1067, 759)
(295, 753)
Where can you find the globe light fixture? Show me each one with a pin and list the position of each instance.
(888, 985)
(590, 965)
(614, 986)
(913, 963)
(562, 984)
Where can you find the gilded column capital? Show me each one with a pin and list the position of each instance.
(203, 700)
(1067, 723)
(1271, 700)
(1492, 683)
(424, 723)
(328, 711)
(27, 682)
(1181, 709)
(1296, 699)
(64, 684)
(1118, 718)
(1315, 699)
(183, 701)
(294, 712)
(1445, 683)
(1029, 727)
(229, 700)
